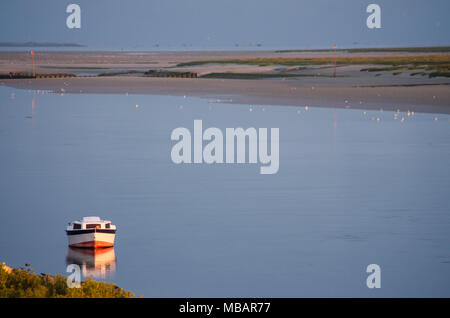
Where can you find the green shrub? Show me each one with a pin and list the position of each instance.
(20, 283)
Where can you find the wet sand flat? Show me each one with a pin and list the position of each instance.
(427, 99)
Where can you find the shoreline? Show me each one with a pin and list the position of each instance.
(368, 80)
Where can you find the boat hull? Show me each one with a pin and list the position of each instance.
(92, 239)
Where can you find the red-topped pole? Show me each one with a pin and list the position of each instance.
(32, 59)
(335, 59)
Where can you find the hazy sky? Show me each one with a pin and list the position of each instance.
(210, 23)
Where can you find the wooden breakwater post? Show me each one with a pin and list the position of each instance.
(63, 75)
(174, 74)
(21, 75)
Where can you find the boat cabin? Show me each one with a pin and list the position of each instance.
(90, 222)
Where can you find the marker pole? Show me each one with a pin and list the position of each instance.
(32, 59)
(335, 60)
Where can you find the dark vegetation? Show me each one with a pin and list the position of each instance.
(433, 49)
(438, 65)
(20, 283)
(259, 75)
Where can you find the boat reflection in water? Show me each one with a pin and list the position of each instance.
(95, 263)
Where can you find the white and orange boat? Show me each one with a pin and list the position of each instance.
(91, 232)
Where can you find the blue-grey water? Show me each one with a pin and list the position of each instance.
(351, 191)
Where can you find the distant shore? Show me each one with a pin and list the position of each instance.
(391, 79)
(38, 44)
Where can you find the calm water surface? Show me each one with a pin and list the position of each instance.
(351, 191)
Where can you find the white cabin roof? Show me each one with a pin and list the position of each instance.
(92, 219)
